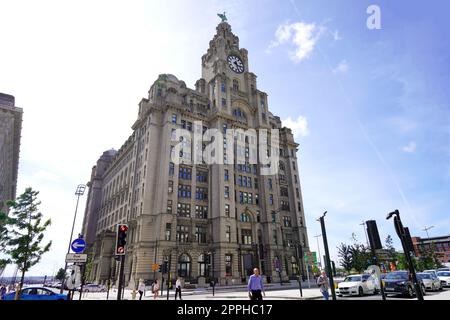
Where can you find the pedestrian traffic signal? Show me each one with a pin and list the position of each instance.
(373, 235)
(121, 239)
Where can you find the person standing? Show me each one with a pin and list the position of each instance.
(141, 289)
(155, 289)
(178, 288)
(324, 285)
(255, 286)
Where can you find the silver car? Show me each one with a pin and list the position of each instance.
(430, 281)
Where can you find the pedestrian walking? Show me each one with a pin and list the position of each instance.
(178, 288)
(155, 289)
(324, 285)
(255, 286)
(141, 289)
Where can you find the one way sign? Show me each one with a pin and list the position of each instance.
(78, 245)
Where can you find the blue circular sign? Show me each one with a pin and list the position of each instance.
(78, 245)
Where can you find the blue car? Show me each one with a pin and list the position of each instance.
(36, 293)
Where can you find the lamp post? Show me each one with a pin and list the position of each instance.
(402, 234)
(211, 254)
(327, 254)
(79, 192)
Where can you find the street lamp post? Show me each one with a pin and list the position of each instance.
(402, 235)
(79, 192)
(327, 254)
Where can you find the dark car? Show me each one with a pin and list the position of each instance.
(400, 282)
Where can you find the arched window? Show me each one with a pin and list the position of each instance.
(245, 217)
(235, 85)
(282, 166)
(184, 266)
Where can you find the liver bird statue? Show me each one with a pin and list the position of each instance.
(222, 16)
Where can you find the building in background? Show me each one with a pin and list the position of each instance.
(440, 244)
(10, 133)
(207, 221)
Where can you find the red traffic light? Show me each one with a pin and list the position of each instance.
(123, 227)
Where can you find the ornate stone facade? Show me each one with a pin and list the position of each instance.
(206, 220)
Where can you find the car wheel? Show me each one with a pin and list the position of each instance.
(360, 292)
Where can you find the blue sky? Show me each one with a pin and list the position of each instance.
(370, 106)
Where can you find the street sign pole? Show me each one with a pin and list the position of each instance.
(122, 267)
(327, 254)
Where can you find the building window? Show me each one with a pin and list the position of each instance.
(184, 191)
(228, 234)
(226, 177)
(258, 216)
(284, 192)
(299, 206)
(184, 209)
(228, 265)
(297, 192)
(295, 178)
(240, 181)
(245, 217)
(169, 206)
(168, 231)
(223, 87)
(227, 210)
(202, 176)
(250, 198)
(227, 192)
(174, 118)
(171, 169)
(200, 234)
(246, 236)
(185, 173)
(271, 199)
(235, 85)
(241, 197)
(201, 212)
(203, 269)
(270, 183)
(170, 189)
(275, 237)
(182, 233)
(224, 102)
(287, 221)
(257, 199)
(284, 205)
(184, 266)
(274, 216)
(293, 165)
(201, 194)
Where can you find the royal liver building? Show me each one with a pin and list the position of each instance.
(208, 182)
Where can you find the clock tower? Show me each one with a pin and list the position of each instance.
(227, 80)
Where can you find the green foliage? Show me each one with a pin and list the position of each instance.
(392, 254)
(60, 275)
(25, 232)
(428, 259)
(355, 257)
(345, 255)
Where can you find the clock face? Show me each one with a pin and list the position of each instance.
(235, 64)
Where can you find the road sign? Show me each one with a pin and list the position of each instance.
(73, 277)
(78, 245)
(310, 257)
(76, 258)
(155, 267)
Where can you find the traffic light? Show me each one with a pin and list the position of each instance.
(373, 235)
(121, 239)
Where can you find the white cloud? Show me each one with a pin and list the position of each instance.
(303, 36)
(410, 148)
(299, 126)
(341, 68)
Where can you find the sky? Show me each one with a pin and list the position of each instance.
(369, 107)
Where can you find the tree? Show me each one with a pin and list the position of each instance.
(25, 233)
(346, 257)
(428, 258)
(61, 274)
(3, 238)
(361, 257)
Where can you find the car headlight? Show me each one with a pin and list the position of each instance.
(402, 283)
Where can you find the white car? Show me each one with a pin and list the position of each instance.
(431, 271)
(444, 276)
(357, 284)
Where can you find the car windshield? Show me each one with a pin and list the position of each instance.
(352, 279)
(424, 276)
(397, 276)
(444, 274)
